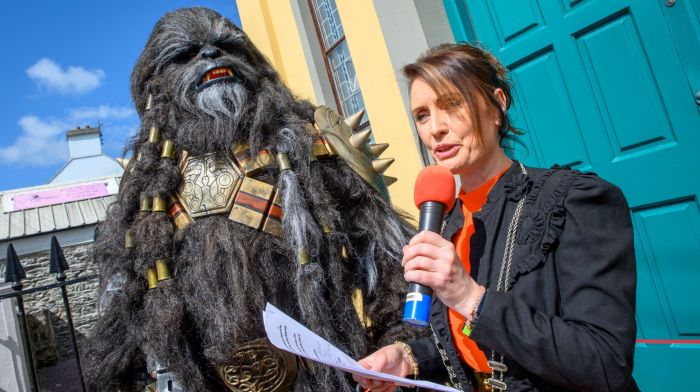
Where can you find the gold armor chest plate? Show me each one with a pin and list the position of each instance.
(257, 366)
(209, 183)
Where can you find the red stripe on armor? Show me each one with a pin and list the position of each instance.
(275, 212)
(253, 202)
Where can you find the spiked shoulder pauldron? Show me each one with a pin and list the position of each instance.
(337, 136)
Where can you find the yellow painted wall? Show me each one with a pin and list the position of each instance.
(382, 94)
(271, 26)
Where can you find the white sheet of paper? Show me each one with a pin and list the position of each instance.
(287, 334)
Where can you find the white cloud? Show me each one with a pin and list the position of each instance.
(41, 143)
(74, 80)
(102, 112)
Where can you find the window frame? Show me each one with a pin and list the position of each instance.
(325, 51)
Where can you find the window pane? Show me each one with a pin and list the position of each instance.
(328, 21)
(345, 80)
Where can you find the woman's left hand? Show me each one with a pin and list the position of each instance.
(432, 261)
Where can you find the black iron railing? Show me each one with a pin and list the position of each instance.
(14, 274)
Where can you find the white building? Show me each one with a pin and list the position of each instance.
(70, 206)
(86, 158)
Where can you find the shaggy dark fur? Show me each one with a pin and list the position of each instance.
(223, 273)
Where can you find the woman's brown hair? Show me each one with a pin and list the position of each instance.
(472, 72)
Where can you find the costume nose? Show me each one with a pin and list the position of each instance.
(210, 52)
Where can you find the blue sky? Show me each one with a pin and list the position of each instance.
(66, 64)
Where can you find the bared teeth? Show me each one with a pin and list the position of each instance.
(217, 73)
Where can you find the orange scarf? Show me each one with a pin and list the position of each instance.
(472, 202)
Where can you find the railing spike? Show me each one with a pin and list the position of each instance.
(14, 272)
(57, 262)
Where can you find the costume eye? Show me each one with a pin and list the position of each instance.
(186, 55)
(227, 46)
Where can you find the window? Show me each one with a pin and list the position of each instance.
(336, 56)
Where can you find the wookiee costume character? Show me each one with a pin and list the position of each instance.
(240, 194)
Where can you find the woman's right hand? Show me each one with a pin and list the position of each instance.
(391, 359)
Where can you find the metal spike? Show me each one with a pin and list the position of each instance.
(14, 272)
(378, 149)
(123, 162)
(57, 261)
(354, 120)
(359, 139)
(380, 165)
(388, 180)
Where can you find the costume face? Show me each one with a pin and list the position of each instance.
(445, 126)
(210, 72)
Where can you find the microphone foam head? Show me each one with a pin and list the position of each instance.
(435, 183)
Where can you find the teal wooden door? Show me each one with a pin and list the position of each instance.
(610, 86)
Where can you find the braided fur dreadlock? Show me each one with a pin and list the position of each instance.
(222, 272)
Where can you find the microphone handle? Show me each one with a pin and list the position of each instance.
(430, 218)
(419, 298)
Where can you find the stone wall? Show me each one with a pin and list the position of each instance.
(45, 309)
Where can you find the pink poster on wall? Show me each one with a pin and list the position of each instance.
(66, 194)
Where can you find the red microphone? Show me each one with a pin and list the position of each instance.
(434, 194)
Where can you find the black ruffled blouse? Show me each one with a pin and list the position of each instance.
(567, 322)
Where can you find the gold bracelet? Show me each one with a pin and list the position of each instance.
(414, 364)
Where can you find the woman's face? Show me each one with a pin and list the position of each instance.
(445, 126)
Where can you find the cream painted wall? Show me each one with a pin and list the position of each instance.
(271, 26)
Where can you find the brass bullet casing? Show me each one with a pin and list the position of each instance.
(326, 229)
(168, 150)
(152, 278)
(344, 252)
(146, 203)
(283, 161)
(304, 257)
(162, 270)
(149, 102)
(159, 204)
(359, 303)
(128, 239)
(154, 135)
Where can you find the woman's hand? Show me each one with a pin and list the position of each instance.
(432, 261)
(391, 359)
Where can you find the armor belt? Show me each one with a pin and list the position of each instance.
(221, 183)
(257, 366)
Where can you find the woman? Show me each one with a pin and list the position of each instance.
(534, 274)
